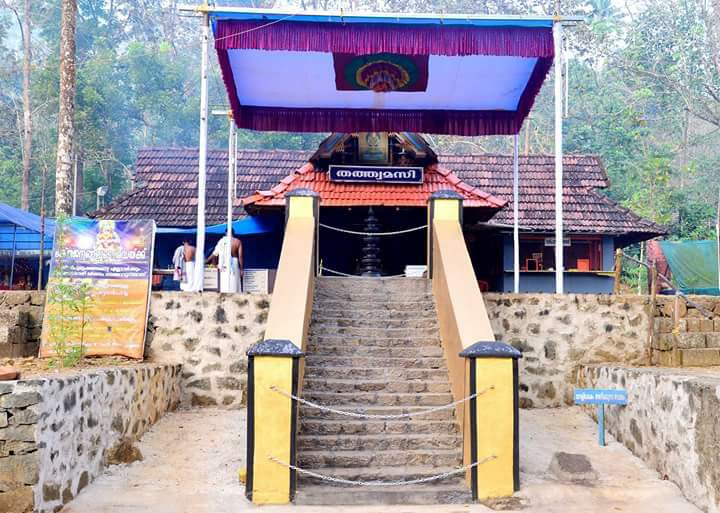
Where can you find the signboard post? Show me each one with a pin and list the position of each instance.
(111, 262)
(600, 398)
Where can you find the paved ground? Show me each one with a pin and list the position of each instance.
(192, 458)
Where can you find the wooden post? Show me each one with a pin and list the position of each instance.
(618, 271)
(676, 331)
(653, 307)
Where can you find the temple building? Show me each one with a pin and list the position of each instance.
(381, 182)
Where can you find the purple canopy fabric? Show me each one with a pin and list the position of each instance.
(481, 79)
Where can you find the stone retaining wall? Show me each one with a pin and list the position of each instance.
(559, 333)
(55, 432)
(21, 315)
(672, 422)
(695, 329)
(209, 334)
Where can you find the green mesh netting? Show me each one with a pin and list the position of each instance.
(694, 265)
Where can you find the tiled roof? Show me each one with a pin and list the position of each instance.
(166, 184)
(335, 194)
(166, 189)
(585, 210)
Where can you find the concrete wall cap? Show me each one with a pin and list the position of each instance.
(275, 348)
(445, 194)
(302, 192)
(491, 350)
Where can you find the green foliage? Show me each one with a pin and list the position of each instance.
(69, 300)
(644, 96)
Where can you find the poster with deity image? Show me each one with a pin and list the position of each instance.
(98, 292)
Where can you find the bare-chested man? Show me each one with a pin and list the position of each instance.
(231, 272)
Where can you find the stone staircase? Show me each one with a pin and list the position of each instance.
(374, 347)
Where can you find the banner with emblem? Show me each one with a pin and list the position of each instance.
(98, 292)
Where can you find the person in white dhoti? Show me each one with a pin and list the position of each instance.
(184, 265)
(231, 272)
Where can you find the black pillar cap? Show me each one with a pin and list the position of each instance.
(491, 350)
(446, 194)
(275, 348)
(302, 192)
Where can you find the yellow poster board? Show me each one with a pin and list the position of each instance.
(98, 292)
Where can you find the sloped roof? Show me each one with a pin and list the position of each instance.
(166, 188)
(337, 194)
(585, 209)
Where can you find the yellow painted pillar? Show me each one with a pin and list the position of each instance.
(274, 373)
(492, 370)
(446, 205)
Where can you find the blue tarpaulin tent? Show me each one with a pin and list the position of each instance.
(20, 230)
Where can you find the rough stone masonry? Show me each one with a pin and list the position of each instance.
(55, 432)
(208, 334)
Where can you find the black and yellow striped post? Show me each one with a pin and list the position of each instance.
(492, 374)
(273, 367)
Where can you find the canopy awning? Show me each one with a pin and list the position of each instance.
(251, 225)
(456, 75)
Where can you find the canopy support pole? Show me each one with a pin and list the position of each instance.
(12, 260)
(202, 160)
(516, 215)
(232, 167)
(559, 247)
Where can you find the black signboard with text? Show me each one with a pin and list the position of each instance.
(375, 174)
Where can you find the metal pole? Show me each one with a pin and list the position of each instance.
(42, 230)
(232, 158)
(559, 261)
(202, 157)
(717, 236)
(12, 261)
(516, 215)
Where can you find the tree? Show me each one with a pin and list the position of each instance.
(66, 128)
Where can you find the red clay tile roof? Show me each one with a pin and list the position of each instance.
(335, 194)
(167, 188)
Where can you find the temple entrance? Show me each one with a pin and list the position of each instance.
(344, 250)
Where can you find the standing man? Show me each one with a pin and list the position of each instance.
(184, 263)
(231, 273)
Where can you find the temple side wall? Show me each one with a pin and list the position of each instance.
(208, 334)
(671, 421)
(55, 432)
(559, 333)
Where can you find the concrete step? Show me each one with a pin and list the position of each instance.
(317, 495)
(700, 357)
(377, 323)
(396, 352)
(376, 399)
(383, 442)
(386, 304)
(354, 459)
(320, 341)
(375, 427)
(392, 387)
(358, 283)
(379, 331)
(313, 360)
(340, 371)
(310, 413)
(373, 313)
(384, 474)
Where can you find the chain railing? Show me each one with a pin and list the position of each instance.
(357, 415)
(372, 234)
(351, 482)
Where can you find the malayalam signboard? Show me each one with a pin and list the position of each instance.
(375, 174)
(112, 260)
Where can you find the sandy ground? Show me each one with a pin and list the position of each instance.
(192, 459)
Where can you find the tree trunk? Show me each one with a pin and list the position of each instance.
(27, 117)
(66, 131)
